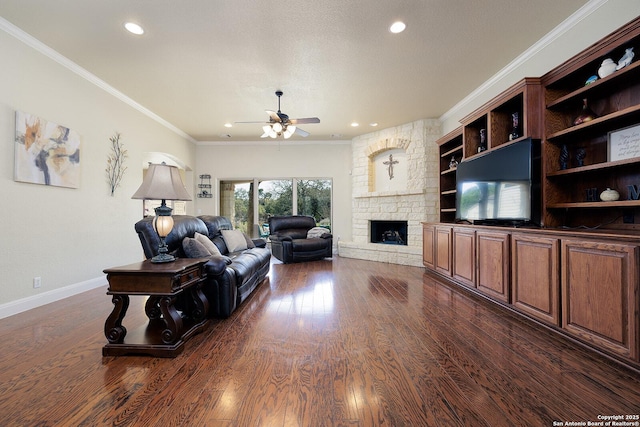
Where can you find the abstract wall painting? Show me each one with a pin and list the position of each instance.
(46, 153)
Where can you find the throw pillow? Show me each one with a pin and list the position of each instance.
(234, 239)
(250, 243)
(207, 243)
(194, 249)
(316, 232)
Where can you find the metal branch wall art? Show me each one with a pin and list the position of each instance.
(115, 163)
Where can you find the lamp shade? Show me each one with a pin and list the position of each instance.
(162, 182)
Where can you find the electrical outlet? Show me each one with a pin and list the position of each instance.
(37, 282)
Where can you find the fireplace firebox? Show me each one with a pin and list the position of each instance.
(388, 232)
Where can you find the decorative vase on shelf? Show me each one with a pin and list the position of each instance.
(581, 153)
(586, 114)
(609, 195)
(453, 163)
(607, 68)
(515, 124)
(483, 140)
(564, 157)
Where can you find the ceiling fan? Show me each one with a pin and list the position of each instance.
(280, 123)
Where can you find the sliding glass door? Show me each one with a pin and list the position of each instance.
(249, 210)
(314, 199)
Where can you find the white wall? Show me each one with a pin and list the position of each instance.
(283, 159)
(68, 236)
(595, 20)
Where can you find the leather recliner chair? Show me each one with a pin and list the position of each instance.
(289, 241)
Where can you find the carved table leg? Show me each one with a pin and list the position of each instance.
(152, 308)
(198, 304)
(202, 303)
(113, 329)
(172, 319)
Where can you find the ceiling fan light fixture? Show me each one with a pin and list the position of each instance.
(280, 124)
(289, 131)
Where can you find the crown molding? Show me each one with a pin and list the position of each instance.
(274, 142)
(52, 54)
(527, 55)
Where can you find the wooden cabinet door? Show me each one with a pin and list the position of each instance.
(443, 250)
(600, 294)
(464, 256)
(428, 245)
(535, 276)
(493, 264)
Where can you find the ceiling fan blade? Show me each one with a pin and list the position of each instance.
(274, 116)
(302, 132)
(308, 120)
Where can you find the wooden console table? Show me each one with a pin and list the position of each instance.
(171, 287)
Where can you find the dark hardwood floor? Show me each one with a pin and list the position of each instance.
(327, 343)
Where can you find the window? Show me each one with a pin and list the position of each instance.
(236, 203)
(275, 197)
(314, 199)
(242, 205)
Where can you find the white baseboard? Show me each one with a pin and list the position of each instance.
(24, 304)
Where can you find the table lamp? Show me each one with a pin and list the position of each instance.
(162, 182)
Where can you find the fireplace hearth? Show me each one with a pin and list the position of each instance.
(388, 232)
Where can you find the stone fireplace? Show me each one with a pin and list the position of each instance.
(394, 179)
(388, 232)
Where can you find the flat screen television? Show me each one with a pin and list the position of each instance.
(501, 186)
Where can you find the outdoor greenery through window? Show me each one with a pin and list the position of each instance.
(314, 199)
(249, 210)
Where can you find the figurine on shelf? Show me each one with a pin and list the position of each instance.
(564, 157)
(590, 80)
(626, 59)
(453, 163)
(483, 140)
(515, 122)
(580, 155)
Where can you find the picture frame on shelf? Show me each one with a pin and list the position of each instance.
(623, 143)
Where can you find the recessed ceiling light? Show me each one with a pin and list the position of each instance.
(134, 28)
(228, 125)
(374, 124)
(397, 27)
(354, 124)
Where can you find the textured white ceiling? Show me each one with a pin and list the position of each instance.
(202, 63)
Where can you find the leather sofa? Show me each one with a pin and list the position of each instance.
(231, 276)
(290, 240)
